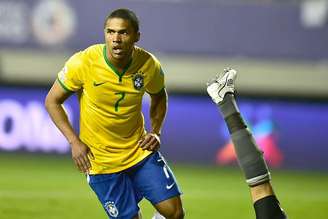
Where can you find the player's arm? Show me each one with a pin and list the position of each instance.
(53, 103)
(158, 108)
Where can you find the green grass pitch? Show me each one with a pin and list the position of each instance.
(49, 187)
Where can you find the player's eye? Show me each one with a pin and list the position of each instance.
(123, 32)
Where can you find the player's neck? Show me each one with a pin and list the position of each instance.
(120, 64)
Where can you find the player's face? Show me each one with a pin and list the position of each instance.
(120, 38)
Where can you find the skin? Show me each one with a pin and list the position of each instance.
(261, 191)
(53, 103)
(120, 38)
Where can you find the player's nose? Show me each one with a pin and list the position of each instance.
(117, 37)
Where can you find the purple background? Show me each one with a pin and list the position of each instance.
(194, 130)
(203, 27)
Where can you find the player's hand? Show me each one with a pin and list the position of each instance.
(150, 142)
(80, 156)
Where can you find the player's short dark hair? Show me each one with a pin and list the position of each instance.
(125, 14)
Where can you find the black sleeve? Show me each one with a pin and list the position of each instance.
(269, 208)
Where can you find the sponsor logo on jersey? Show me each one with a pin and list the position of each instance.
(96, 84)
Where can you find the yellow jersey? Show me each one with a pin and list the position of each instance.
(111, 120)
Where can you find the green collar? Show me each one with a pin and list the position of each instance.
(120, 75)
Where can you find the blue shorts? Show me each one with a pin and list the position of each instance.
(121, 192)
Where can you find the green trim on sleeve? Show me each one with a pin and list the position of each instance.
(64, 87)
(156, 92)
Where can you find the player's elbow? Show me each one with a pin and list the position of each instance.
(50, 101)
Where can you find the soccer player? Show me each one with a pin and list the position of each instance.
(121, 160)
(250, 158)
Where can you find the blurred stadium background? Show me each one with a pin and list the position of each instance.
(279, 47)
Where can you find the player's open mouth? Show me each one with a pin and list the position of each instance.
(117, 50)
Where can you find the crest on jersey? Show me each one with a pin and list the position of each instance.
(138, 80)
(111, 209)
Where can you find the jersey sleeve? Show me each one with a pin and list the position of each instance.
(157, 82)
(71, 76)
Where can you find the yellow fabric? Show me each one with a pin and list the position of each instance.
(111, 121)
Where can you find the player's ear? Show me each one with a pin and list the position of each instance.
(137, 37)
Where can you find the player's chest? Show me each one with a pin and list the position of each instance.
(107, 87)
